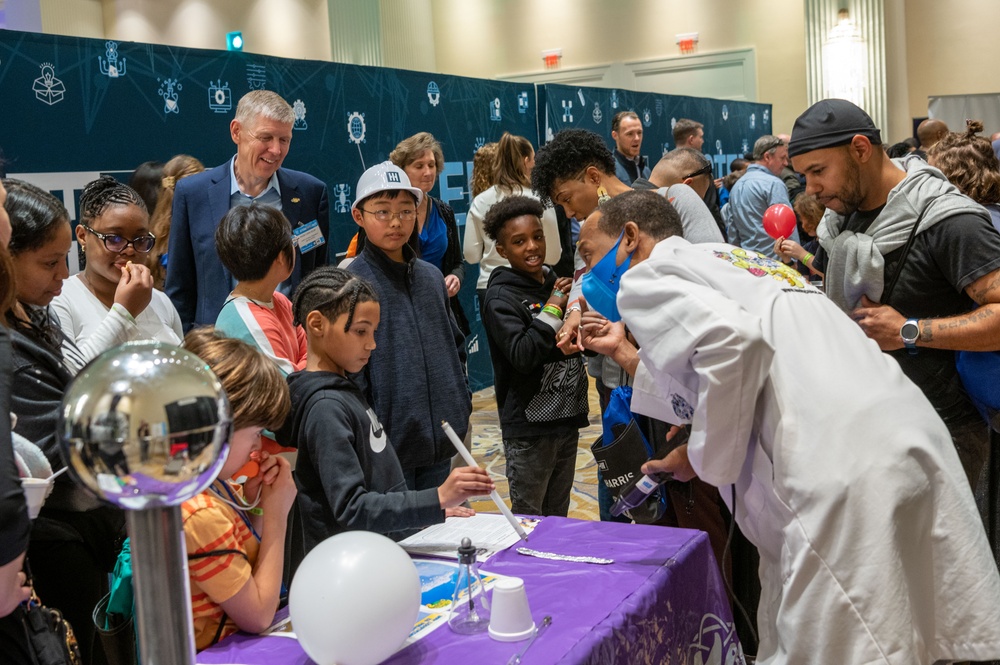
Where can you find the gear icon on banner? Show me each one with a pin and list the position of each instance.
(356, 127)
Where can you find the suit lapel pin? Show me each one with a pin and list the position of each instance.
(296, 200)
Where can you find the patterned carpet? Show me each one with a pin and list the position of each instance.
(487, 448)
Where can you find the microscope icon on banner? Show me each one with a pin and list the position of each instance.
(495, 110)
(168, 90)
(220, 98)
(112, 67)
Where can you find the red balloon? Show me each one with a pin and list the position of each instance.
(779, 221)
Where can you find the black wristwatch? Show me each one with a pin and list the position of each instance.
(910, 332)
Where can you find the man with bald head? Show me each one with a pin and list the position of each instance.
(911, 259)
(929, 132)
(683, 176)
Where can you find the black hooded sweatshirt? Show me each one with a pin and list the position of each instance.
(347, 474)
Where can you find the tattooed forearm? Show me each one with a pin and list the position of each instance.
(973, 317)
(926, 334)
(982, 294)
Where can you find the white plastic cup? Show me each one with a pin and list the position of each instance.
(35, 491)
(510, 618)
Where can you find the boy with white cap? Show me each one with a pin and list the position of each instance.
(417, 378)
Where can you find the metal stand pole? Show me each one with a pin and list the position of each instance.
(162, 590)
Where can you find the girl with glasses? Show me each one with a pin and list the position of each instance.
(112, 301)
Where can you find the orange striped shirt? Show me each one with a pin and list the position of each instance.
(211, 525)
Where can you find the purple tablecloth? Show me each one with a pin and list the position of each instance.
(661, 601)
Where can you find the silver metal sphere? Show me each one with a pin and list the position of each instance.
(145, 424)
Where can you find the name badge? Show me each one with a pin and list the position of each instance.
(308, 237)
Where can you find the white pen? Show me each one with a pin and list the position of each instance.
(467, 456)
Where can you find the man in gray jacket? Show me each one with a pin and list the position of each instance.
(912, 260)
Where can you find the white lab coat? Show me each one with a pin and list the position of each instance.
(871, 547)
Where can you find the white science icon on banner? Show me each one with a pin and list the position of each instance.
(614, 99)
(220, 97)
(112, 65)
(725, 113)
(342, 198)
(299, 111)
(647, 118)
(495, 109)
(567, 107)
(753, 120)
(47, 87)
(256, 76)
(597, 115)
(433, 93)
(659, 107)
(356, 127)
(168, 90)
(522, 102)
(765, 116)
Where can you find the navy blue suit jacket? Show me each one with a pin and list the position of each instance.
(196, 282)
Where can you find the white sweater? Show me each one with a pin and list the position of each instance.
(95, 328)
(480, 249)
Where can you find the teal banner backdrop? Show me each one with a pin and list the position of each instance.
(75, 108)
(730, 127)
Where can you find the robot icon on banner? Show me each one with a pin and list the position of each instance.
(342, 198)
(597, 115)
(47, 87)
(753, 120)
(746, 146)
(220, 97)
(112, 67)
(299, 111)
(495, 110)
(168, 90)
(718, 147)
(356, 127)
(614, 99)
(567, 107)
(647, 118)
(725, 113)
(522, 102)
(433, 93)
(256, 76)
(765, 116)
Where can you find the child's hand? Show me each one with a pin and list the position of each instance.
(452, 285)
(462, 484)
(278, 487)
(567, 339)
(135, 288)
(459, 511)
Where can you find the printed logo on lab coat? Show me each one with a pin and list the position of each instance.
(759, 265)
(376, 438)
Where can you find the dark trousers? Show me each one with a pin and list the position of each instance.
(540, 471)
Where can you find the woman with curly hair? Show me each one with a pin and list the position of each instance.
(968, 161)
(178, 167)
(483, 169)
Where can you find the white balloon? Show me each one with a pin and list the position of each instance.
(354, 599)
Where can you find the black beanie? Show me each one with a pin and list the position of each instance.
(830, 123)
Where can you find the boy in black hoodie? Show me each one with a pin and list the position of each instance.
(347, 473)
(541, 393)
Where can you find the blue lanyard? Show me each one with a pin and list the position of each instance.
(241, 513)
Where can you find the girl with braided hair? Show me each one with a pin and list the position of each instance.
(112, 301)
(347, 472)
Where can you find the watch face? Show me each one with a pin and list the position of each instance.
(909, 332)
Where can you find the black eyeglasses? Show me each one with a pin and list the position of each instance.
(705, 170)
(117, 244)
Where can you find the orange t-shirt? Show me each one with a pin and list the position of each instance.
(211, 525)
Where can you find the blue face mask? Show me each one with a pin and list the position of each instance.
(600, 285)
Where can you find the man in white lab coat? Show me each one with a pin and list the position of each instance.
(835, 464)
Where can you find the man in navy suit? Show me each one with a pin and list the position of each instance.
(196, 282)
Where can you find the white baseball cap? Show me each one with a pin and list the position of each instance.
(384, 177)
